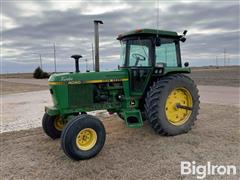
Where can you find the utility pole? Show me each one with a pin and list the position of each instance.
(96, 32)
(224, 56)
(216, 61)
(54, 56)
(157, 14)
(93, 57)
(40, 56)
(86, 60)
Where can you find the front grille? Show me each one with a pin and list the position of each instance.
(80, 95)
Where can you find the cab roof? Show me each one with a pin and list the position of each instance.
(147, 32)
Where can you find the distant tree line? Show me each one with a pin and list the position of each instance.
(40, 74)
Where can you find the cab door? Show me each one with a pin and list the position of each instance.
(139, 61)
(139, 77)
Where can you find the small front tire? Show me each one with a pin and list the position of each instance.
(83, 137)
(52, 126)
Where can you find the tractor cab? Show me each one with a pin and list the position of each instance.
(146, 51)
(149, 48)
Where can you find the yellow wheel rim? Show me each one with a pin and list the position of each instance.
(86, 139)
(58, 123)
(178, 116)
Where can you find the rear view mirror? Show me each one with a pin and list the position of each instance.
(182, 39)
(184, 32)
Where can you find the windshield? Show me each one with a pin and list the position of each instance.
(136, 52)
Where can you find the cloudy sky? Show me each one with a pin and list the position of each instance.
(32, 26)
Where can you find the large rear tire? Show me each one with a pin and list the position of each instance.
(172, 105)
(83, 137)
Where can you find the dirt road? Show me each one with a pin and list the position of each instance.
(221, 76)
(43, 82)
(13, 87)
(128, 153)
(220, 95)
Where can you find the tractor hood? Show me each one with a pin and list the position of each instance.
(88, 77)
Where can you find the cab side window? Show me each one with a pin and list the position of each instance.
(166, 53)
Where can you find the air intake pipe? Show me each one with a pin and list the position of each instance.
(76, 57)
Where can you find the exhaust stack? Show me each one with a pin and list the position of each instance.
(96, 37)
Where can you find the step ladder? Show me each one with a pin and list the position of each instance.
(133, 118)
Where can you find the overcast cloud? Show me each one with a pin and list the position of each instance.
(30, 27)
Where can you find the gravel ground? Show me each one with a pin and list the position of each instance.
(23, 110)
(128, 153)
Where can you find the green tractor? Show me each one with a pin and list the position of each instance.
(149, 85)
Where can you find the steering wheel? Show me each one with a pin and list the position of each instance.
(138, 58)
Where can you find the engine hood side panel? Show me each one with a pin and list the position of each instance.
(90, 77)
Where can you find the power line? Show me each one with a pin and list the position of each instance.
(93, 57)
(40, 59)
(86, 60)
(157, 14)
(54, 56)
(224, 56)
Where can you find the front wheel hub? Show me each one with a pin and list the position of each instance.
(86, 139)
(58, 123)
(178, 107)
